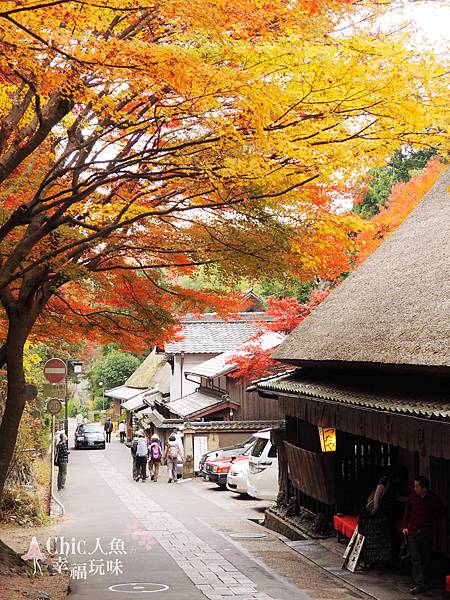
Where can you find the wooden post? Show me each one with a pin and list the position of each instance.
(278, 437)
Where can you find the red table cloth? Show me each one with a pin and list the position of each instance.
(346, 524)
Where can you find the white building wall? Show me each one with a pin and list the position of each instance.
(179, 385)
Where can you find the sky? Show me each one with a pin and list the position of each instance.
(431, 19)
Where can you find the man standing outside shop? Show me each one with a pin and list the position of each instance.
(108, 429)
(62, 460)
(122, 431)
(423, 510)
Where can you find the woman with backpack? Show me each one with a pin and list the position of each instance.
(171, 455)
(155, 455)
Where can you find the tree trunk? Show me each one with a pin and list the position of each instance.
(15, 399)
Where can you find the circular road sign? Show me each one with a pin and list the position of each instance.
(54, 406)
(31, 392)
(55, 370)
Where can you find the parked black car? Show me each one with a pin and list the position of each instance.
(89, 435)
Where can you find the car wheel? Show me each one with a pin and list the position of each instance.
(103, 447)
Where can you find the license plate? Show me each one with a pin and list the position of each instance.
(206, 477)
(90, 443)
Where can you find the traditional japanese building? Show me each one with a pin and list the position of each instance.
(204, 337)
(370, 394)
(150, 382)
(220, 411)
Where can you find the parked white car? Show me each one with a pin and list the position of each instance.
(238, 473)
(262, 481)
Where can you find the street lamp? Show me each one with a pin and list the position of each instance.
(77, 367)
(100, 383)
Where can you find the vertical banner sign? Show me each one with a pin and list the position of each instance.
(200, 447)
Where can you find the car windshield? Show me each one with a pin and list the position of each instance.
(249, 441)
(258, 448)
(235, 452)
(226, 454)
(248, 451)
(90, 428)
(213, 454)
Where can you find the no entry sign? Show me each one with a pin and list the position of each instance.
(55, 370)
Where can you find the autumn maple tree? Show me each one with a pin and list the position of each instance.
(403, 199)
(254, 361)
(139, 141)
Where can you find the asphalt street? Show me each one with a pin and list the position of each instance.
(126, 539)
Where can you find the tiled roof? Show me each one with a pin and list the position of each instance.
(134, 403)
(122, 392)
(251, 426)
(211, 334)
(400, 394)
(194, 403)
(143, 398)
(221, 364)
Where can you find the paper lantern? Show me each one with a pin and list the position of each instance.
(327, 439)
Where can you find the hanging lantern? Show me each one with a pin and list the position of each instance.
(327, 439)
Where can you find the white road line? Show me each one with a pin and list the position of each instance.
(208, 570)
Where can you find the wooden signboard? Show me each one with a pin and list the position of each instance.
(353, 551)
(378, 545)
(350, 544)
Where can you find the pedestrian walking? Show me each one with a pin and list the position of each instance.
(133, 454)
(172, 453)
(62, 460)
(122, 431)
(141, 453)
(422, 512)
(108, 428)
(79, 419)
(155, 455)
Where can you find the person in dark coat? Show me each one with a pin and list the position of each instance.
(108, 428)
(422, 512)
(140, 453)
(133, 454)
(62, 460)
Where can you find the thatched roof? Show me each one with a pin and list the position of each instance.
(154, 371)
(395, 309)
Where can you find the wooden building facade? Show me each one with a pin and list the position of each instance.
(373, 370)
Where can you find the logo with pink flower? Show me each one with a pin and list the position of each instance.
(34, 553)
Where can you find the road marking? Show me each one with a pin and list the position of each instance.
(213, 575)
(139, 588)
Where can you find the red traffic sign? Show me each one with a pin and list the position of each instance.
(55, 370)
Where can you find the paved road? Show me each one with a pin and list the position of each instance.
(127, 540)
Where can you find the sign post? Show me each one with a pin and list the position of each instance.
(53, 407)
(55, 371)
